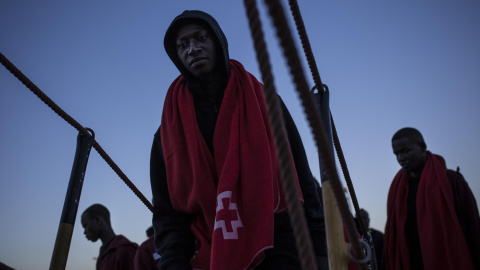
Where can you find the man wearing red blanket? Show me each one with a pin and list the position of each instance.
(432, 215)
(218, 200)
(116, 252)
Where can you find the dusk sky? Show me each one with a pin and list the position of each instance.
(388, 64)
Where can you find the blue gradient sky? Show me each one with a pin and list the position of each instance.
(389, 64)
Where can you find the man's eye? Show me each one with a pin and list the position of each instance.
(182, 45)
(202, 38)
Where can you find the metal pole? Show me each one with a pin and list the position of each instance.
(72, 198)
(337, 248)
(322, 103)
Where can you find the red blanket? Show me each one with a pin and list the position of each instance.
(232, 197)
(119, 255)
(442, 240)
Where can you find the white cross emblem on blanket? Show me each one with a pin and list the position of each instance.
(227, 213)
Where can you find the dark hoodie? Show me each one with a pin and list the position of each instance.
(174, 240)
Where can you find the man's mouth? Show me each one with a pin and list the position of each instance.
(195, 60)
(405, 166)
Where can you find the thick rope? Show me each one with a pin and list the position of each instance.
(319, 133)
(296, 212)
(297, 16)
(318, 82)
(30, 85)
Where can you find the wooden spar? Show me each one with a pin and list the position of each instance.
(338, 257)
(72, 199)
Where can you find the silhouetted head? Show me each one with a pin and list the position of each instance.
(410, 150)
(94, 220)
(365, 217)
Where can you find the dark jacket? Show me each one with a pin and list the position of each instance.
(467, 213)
(174, 240)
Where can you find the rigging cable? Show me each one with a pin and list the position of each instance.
(297, 16)
(295, 210)
(30, 85)
(319, 133)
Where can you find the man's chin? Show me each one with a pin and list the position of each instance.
(408, 171)
(92, 239)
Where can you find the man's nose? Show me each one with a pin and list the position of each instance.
(192, 47)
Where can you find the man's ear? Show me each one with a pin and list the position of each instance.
(99, 220)
(423, 146)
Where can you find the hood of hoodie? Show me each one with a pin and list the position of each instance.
(195, 16)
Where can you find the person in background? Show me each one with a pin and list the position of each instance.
(377, 236)
(218, 198)
(116, 252)
(146, 258)
(432, 215)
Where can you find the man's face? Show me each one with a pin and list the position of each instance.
(91, 227)
(411, 155)
(196, 49)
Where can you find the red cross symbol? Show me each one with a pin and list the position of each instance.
(227, 212)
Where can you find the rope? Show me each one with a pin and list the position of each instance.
(296, 70)
(297, 17)
(317, 80)
(30, 85)
(297, 216)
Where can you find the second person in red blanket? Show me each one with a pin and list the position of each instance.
(218, 201)
(432, 215)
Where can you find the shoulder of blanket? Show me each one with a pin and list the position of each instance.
(180, 80)
(455, 176)
(121, 240)
(458, 182)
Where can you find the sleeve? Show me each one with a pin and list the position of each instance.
(174, 240)
(467, 212)
(309, 186)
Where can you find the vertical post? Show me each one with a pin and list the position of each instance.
(338, 258)
(322, 104)
(72, 198)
